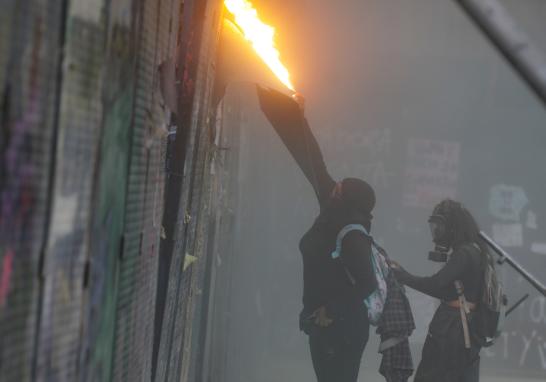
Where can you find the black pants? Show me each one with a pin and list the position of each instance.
(336, 351)
(445, 358)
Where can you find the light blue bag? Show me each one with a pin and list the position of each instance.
(375, 302)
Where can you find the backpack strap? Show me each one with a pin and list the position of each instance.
(463, 306)
(336, 254)
(341, 235)
(464, 310)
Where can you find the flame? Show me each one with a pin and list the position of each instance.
(261, 36)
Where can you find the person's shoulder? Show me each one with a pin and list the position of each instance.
(468, 251)
(356, 238)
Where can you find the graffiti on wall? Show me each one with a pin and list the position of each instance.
(110, 192)
(432, 172)
(27, 96)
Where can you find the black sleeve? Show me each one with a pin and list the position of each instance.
(356, 252)
(434, 285)
(292, 127)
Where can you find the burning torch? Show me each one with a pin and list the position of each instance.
(262, 39)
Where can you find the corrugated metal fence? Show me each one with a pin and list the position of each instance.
(88, 289)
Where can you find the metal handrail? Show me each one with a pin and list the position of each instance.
(505, 257)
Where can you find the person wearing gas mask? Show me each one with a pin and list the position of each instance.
(451, 351)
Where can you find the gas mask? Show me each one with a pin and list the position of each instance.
(440, 237)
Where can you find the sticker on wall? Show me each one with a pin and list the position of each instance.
(189, 260)
(506, 202)
(432, 172)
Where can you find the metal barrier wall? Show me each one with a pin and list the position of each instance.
(30, 50)
(83, 172)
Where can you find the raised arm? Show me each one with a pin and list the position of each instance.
(290, 124)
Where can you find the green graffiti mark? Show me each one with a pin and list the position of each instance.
(110, 210)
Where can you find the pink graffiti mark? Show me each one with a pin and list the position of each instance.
(17, 195)
(5, 278)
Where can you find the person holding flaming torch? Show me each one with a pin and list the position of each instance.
(342, 292)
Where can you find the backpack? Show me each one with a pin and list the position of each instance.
(375, 302)
(489, 319)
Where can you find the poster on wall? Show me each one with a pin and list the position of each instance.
(432, 172)
(515, 225)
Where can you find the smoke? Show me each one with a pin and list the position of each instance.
(412, 98)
